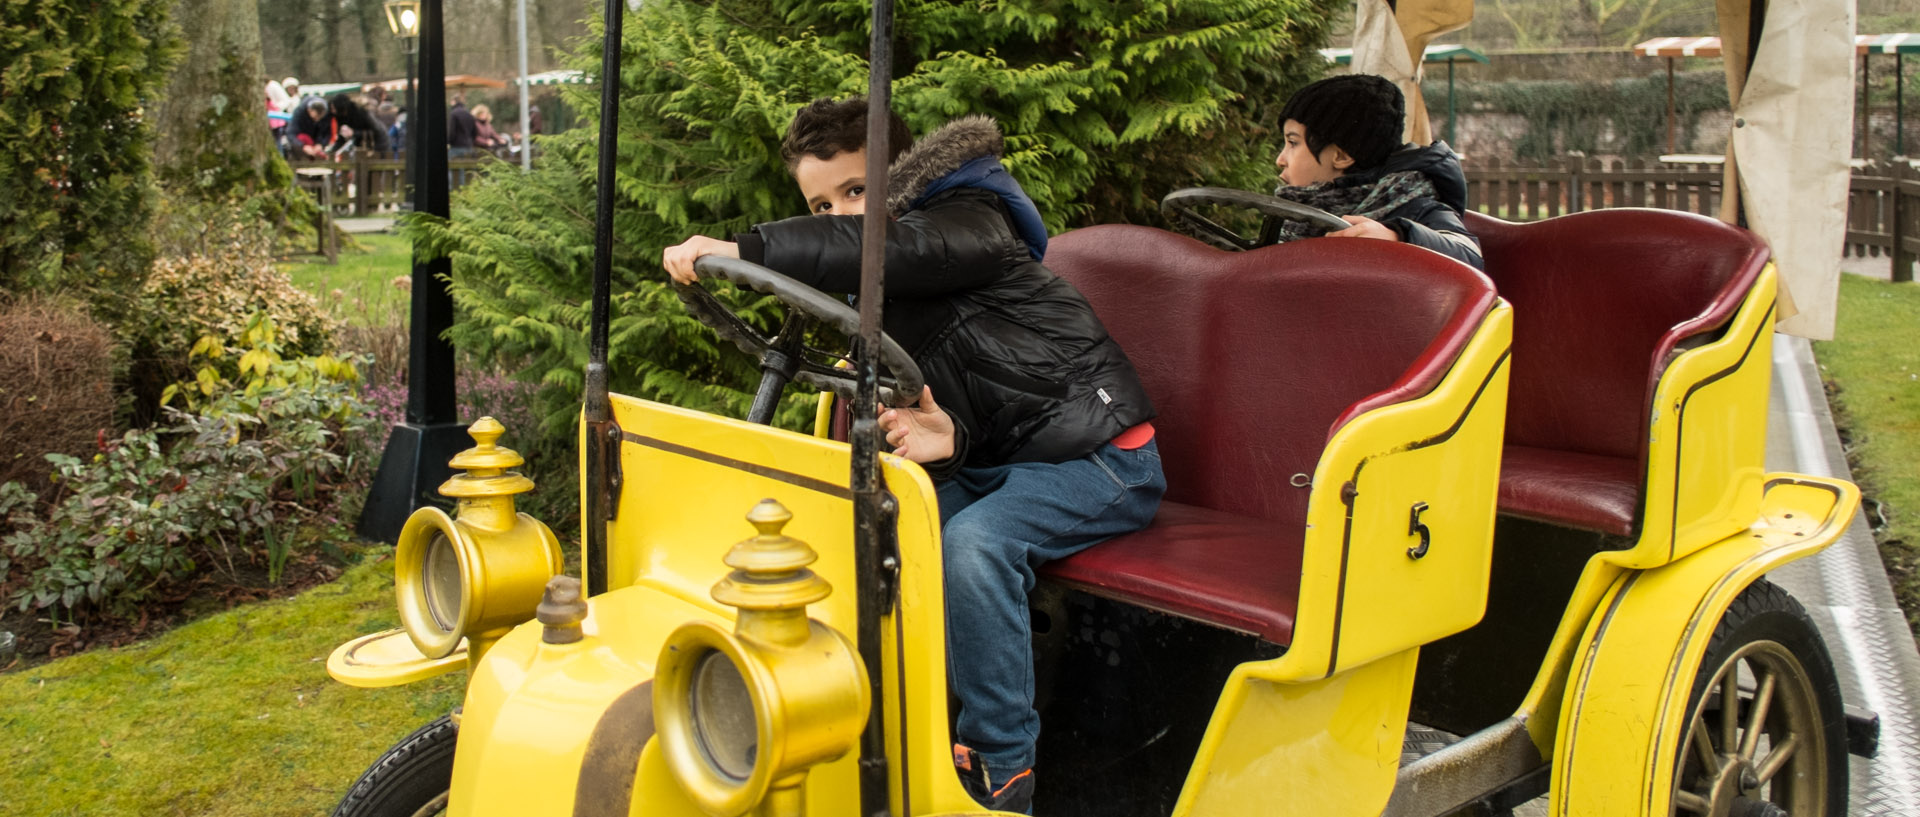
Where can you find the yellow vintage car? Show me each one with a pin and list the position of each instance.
(1524, 509)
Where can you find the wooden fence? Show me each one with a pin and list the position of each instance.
(1883, 205)
(368, 186)
(1883, 215)
(1518, 193)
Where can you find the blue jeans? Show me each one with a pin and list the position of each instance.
(997, 525)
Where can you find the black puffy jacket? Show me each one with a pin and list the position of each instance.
(1433, 223)
(1013, 352)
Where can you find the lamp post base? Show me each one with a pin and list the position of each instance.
(412, 468)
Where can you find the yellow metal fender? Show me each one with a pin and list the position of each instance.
(1625, 708)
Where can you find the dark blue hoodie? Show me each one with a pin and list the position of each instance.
(987, 173)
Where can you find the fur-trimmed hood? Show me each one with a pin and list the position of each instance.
(964, 153)
(937, 155)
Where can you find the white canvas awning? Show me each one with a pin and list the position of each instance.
(564, 76)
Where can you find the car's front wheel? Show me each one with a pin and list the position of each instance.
(410, 780)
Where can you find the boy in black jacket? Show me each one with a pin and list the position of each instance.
(1343, 155)
(1040, 441)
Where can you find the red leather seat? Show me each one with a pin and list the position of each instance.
(1228, 570)
(1602, 300)
(1253, 360)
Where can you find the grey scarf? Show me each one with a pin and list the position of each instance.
(1354, 195)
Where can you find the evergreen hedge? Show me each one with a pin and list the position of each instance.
(76, 177)
(1107, 106)
(1575, 115)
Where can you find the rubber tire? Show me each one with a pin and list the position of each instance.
(410, 775)
(1764, 612)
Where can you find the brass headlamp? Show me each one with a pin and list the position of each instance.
(478, 573)
(742, 715)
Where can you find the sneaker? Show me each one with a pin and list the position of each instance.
(1013, 794)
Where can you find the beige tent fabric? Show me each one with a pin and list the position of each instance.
(1393, 43)
(1379, 48)
(1423, 20)
(1734, 17)
(1794, 152)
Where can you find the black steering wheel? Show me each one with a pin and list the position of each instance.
(785, 356)
(1182, 208)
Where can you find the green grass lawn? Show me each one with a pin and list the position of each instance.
(360, 289)
(230, 715)
(233, 714)
(1872, 368)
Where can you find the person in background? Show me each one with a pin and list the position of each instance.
(384, 112)
(278, 114)
(277, 97)
(290, 145)
(301, 100)
(311, 131)
(485, 138)
(461, 128)
(359, 129)
(396, 120)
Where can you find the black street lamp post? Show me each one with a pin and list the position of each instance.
(415, 461)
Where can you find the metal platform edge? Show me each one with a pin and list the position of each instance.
(1846, 590)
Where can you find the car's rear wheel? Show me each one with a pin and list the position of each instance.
(1766, 733)
(410, 780)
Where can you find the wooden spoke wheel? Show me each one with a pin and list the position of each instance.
(1766, 734)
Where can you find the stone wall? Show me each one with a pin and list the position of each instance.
(1493, 135)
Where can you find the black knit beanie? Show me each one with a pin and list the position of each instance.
(1362, 113)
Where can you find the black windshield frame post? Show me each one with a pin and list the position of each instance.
(876, 553)
(601, 438)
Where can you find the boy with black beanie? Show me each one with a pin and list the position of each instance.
(1343, 154)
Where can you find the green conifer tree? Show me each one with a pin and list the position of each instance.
(1107, 106)
(76, 83)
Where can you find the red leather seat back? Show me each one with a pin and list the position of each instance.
(1252, 359)
(1601, 299)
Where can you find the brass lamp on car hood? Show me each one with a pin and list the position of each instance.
(478, 573)
(743, 715)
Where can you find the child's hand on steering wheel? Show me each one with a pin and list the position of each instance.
(922, 433)
(679, 258)
(1364, 227)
